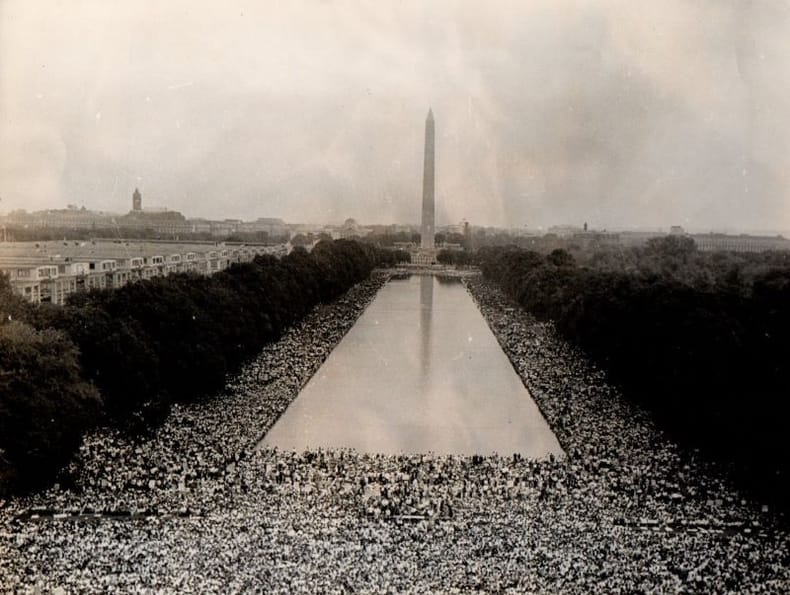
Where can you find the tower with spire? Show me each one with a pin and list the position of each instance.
(137, 201)
(427, 230)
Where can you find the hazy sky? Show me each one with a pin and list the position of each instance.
(619, 113)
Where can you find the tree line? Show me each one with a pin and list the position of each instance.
(121, 357)
(701, 340)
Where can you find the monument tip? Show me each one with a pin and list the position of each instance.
(430, 114)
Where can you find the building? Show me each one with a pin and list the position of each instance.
(159, 220)
(722, 242)
(51, 271)
(739, 243)
(69, 218)
(350, 229)
(565, 231)
(587, 240)
(272, 226)
(635, 238)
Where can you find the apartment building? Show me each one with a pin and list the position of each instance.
(739, 243)
(51, 271)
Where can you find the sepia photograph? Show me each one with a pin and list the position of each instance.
(408, 296)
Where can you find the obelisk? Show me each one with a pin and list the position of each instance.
(427, 227)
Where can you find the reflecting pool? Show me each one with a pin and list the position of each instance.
(419, 372)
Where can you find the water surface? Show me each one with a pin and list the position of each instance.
(420, 371)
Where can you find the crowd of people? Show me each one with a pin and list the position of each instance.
(201, 506)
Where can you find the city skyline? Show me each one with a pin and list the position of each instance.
(415, 224)
(619, 116)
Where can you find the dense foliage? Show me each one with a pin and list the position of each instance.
(45, 405)
(148, 344)
(703, 341)
(456, 257)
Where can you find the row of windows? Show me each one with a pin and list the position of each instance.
(56, 290)
(51, 287)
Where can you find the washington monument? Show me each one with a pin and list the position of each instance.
(428, 182)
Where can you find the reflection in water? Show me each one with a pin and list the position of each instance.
(419, 372)
(426, 308)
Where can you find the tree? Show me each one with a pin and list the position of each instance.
(12, 306)
(45, 406)
(670, 252)
(117, 355)
(560, 258)
(455, 257)
(301, 239)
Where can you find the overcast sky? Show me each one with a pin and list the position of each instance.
(619, 113)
